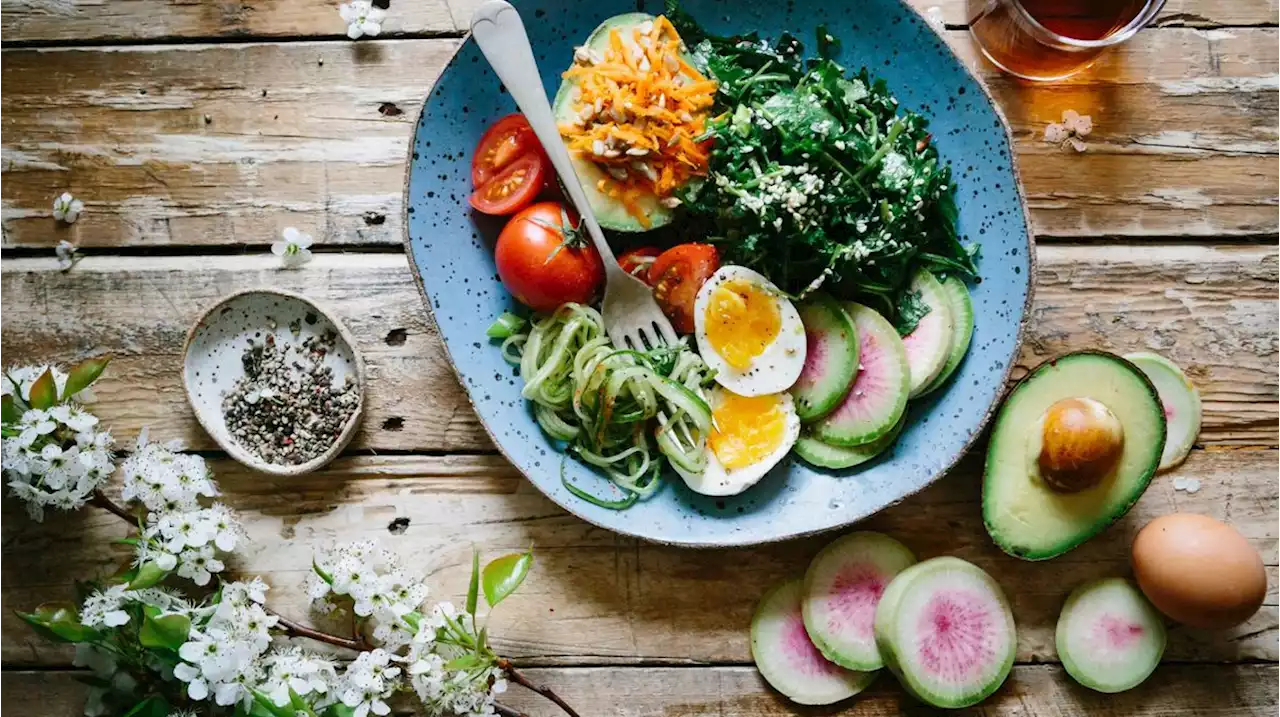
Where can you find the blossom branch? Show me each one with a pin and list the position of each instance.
(102, 501)
(295, 629)
(505, 711)
(520, 679)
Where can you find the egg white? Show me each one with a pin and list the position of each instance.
(774, 370)
(716, 480)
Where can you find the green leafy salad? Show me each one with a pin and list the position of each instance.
(816, 178)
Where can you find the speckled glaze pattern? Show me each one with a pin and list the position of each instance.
(451, 250)
(211, 362)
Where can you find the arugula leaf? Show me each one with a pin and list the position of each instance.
(817, 177)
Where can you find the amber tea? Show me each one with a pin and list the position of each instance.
(1051, 39)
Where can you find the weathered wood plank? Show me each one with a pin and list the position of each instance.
(597, 597)
(83, 20)
(1031, 691)
(227, 144)
(1211, 309)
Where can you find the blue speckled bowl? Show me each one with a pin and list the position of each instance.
(451, 251)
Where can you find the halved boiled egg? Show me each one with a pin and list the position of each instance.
(749, 435)
(748, 332)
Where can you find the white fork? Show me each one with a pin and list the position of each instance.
(631, 316)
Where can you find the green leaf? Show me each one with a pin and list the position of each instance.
(300, 705)
(153, 706)
(10, 413)
(58, 621)
(320, 571)
(149, 575)
(482, 641)
(44, 392)
(910, 309)
(166, 632)
(463, 662)
(83, 374)
(503, 575)
(261, 700)
(412, 619)
(473, 588)
(339, 710)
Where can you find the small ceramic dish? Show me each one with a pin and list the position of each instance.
(212, 362)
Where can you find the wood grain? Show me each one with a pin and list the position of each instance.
(227, 144)
(1211, 309)
(1030, 691)
(84, 20)
(596, 597)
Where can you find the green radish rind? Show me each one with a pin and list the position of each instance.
(1181, 403)
(1113, 668)
(895, 618)
(610, 213)
(929, 344)
(833, 339)
(884, 373)
(869, 560)
(777, 632)
(825, 455)
(961, 306)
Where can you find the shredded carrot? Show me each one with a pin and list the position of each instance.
(640, 105)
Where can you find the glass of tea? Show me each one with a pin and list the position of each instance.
(1052, 39)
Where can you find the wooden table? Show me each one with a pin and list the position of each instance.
(196, 131)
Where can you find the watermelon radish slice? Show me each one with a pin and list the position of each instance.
(1109, 636)
(878, 397)
(830, 361)
(1181, 404)
(841, 589)
(929, 344)
(789, 661)
(825, 455)
(961, 329)
(945, 629)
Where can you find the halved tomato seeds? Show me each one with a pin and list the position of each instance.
(514, 188)
(500, 145)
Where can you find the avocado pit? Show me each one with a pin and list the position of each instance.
(1081, 441)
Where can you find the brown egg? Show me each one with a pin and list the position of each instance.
(1199, 571)
(1081, 440)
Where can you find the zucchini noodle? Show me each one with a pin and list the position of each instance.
(613, 406)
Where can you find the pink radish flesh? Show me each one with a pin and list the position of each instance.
(952, 635)
(856, 590)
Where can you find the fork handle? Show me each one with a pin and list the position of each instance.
(498, 30)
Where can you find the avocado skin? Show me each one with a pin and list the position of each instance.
(1005, 538)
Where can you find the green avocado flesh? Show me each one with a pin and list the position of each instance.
(610, 213)
(1027, 518)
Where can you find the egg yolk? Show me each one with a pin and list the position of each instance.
(742, 319)
(746, 430)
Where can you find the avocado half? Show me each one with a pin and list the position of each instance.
(1025, 516)
(610, 213)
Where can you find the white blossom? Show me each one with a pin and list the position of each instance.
(67, 208)
(57, 457)
(292, 668)
(375, 585)
(293, 249)
(362, 18)
(67, 255)
(164, 480)
(105, 608)
(369, 681)
(223, 655)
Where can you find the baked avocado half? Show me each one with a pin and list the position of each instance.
(1072, 449)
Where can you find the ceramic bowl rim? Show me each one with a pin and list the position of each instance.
(231, 447)
(978, 432)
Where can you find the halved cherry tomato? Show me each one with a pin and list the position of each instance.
(542, 263)
(676, 276)
(636, 262)
(500, 145)
(514, 188)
